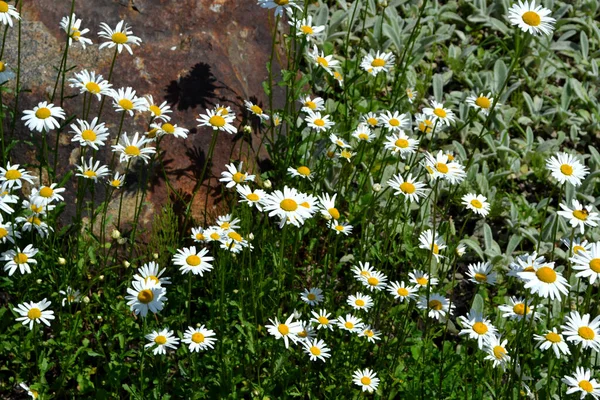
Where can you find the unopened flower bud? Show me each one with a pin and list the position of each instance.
(376, 187)
(61, 261)
(267, 184)
(101, 277)
(126, 263)
(86, 299)
(115, 234)
(247, 129)
(155, 256)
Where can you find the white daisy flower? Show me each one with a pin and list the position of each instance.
(366, 379)
(438, 306)
(476, 203)
(477, 327)
(421, 279)
(43, 117)
(11, 178)
(481, 273)
(91, 170)
(199, 339)
(531, 18)
(305, 27)
(580, 330)
(497, 353)
(34, 312)
(360, 301)
(218, 121)
(340, 227)
(256, 110)
(167, 128)
(161, 340)
(7, 231)
(554, 340)
(121, 36)
(438, 113)
(227, 223)
(72, 27)
(371, 334)
(117, 181)
(582, 381)
(400, 144)
(92, 134)
(252, 197)
(303, 172)
(71, 295)
(34, 222)
(280, 6)
(312, 296)
(32, 393)
(7, 13)
(286, 205)
(579, 245)
(5, 197)
(435, 245)
(525, 263)
(372, 119)
(234, 242)
(318, 122)
(307, 334)
(146, 295)
(566, 168)
(579, 215)
(349, 323)
(287, 330)
(588, 263)
(363, 133)
(46, 194)
(213, 233)
(233, 176)
(482, 103)
(411, 94)
(89, 82)
(151, 271)
(440, 166)
(125, 100)
(409, 188)
(517, 309)
(323, 61)
(395, 122)
(21, 259)
(375, 281)
(380, 62)
(327, 206)
(317, 349)
(322, 319)
(190, 260)
(402, 292)
(546, 282)
(310, 104)
(133, 149)
(424, 124)
(158, 112)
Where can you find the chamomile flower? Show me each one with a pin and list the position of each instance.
(117, 181)
(125, 100)
(12, 176)
(400, 144)
(363, 133)
(312, 296)
(531, 18)
(21, 259)
(234, 242)
(340, 227)
(121, 36)
(579, 215)
(318, 122)
(43, 117)
(371, 118)
(92, 134)
(158, 112)
(409, 188)
(134, 149)
(218, 121)
(71, 295)
(395, 122)
(565, 167)
(380, 62)
(287, 330)
(89, 82)
(213, 233)
(345, 154)
(554, 340)
(497, 353)
(227, 223)
(582, 381)
(338, 141)
(371, 334)
(312, 104)
(421, 279)
(477, 327)
(34, 222)
(317, 350)
(7, 231)
(323, 61)
(545, 281)
(46, 194)
(440, 166)
(438, 306)
(482, 103)
(199, 339)
(250, 196)
(481, 273)
(145, 295)
(580, 330)
(7, 13)
(166, 128)
(349, 323)
(411, 94)
(307, 334)
(304, 27)
(476, 203)
(438, 113)
(34, 312)
(6, 198)
(327, 206)
(366, 379)
(435, 245)
(322, 319)
(161, 340)
(256, 110)
(516, 308)
(525, 263)
(286, 205)
(32, 393)
(402, 292)
(233, 176)
(302, 171)
(424, 124)
(190, 260)
(279, 5)
(579, 245)
(72, 26)
(360, 301)
(588, 263)
(151, 270)
(375, 281)
(363, 270)
(91, 170)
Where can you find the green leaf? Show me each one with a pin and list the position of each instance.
(488, 238)
(477, 304)
(584, 44)
(500, 75)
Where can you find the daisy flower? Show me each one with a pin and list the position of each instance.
(307, 333)
(6, 198)
(21, 259)
(125, 100)
(581, 381)
(190, 260)
(167, 128)
(476, 203)
(517, 309)
(435, 245)
(349, 323)
(366, 379)
(566, 168)
(312, 296)
(227, 223)
(409, 188)
(345, 154)
(121, 36)
(400, 291)
(438, 306)
(279, 5)
(302, 171)
(421, 278)
(338, 141)
(7, 232)
(401, 144)
(395, 122)
(287, 330)
(198, 234)
(90, 134)
(213, 233)
(318, 122)
(580, 215)
(310, 104)
(117, 181)
(588, 263)
(7, 13)
(482, 103)
(46, 194)
(256, 110)
(305, 27)
(234, 242)
(34, 222)
(327, 206)
(371, 334)
(546, 282)
(132, 149)
(424, 124)
(321, 319)
(321, 60)
(360, 301)
(286, 205)
(375, 281)
(252, 197)
(440, 166)
(43, 117)
(363, 133)
(339, 78)
(363, 270)
(34, 312)
(72, 26)
(580, 330)
(477, 327)
(460, 250)
(33, 393)
(371, 118)
(199, 339)
(525, 263)
(317, 349)
(12, 176)
(497, 353)
(554, 340)
(481, 273)
(531, 18)
(145, 295)
(233, 176)
(91, 170)
(218, 121)
(88, 82)
(161, 340)
(158, 112)
(411, 94)
(578, 245)
(380, 62)
(71, 295)
(151, 271)
(438, 113)
(340, 227)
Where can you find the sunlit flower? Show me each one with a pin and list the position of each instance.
(525, 263)
(582, 381)
(89, 134)
(227, 223)
(424, 124)
(320, 59)
(256, 110)
(435, 245)
(302, 171)
(158, 112)
(12, 176)
(250, 196)
(34, 222)
(380, 62)
(440, 166)
(482, 103)
(402, 292)
(375, 281)
(233, 176)
(545, 281)
(345, 154)
(91, 170)
(477, 327)
(286, 205)
(166, 128)
(438, 113)
(199, 339)
(71, 295)
(117, 181)
(554, 340)
(190, 260)
(317, 349)
(579, 215)
(234, 242)
(218, 120)
(305, 27)
(7, 13)
(588, 263)
(133, 149)
(5, 197)
(395, 122)
(371, 118)
(34, 312)
(411, 94)
(360, 301)
(517, 309)
(366, 379)
(531, 18)
(32, 393)
(7, 231)
(371, 334)
(161, 340)
(21, 259)
(318, 122)
(312, 296)
(151, 271)
(580, 330)
(322, 319)
(476, 203)
(409, 188)
(399, 143)
(121, 36)
(72, 26)
(437, 305)
(145, 295)
(43, 117)
(363, 133)
(340, 227)
(287, 330)
(481, 273)
(497, 353)
(89, 82)
(349, 323)
(125, 100)
(421, 279)
(566, 168)
(46, 194)
(578, 246)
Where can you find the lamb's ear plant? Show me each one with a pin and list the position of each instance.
(416, 217)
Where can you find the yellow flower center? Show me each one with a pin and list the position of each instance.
(307, 30)
(372, 121)
(217, 120)
(88, 135)
(238, 177)
(581, 214)
(345, 154)
(34, 393)
(349, 325)
(531, 18)
(2, 65)
(304, 171)
(323, 321)
(305, 204)
(440, 112)
(339, 228)
(115, 183)
(303, 334)
(435, 305)
(256, 110)
(553, 337)
(198, 337)
(365, 380)
(154, 109)
(283, 329)
(499, 352)
(480, 328)
(323, 62)
(402, 292)
(520, 309)
(441, 167)
(476, 203)
(546, 274)
(160, 340)
(3, 7)
(215, 236)
(153, 278)
(595, 265)
(34, 313)
(311, 104)
(252, 197)
(363, 136)
(126, 104)
(373, 281)
(436, 249)
(360, 302)
(483, 102)
(199, 236)
(577, 249)
(402, 143)
(132, 150)
(235, 236)
(282, 2)
(152, 133)
(222, 111)
(566, 169)
(407, 187)
(369, 333)
(586, 332)
(43, 113)
(480, 277)
(225, 225)
(422, 281)
(46, 192)
(89, 174)
(365, 273)
(36, 209)
(193, 260)
(3, 233)
(378, 62)
(20, 258)
(319, 122)
(586, 386)
(311, 296)
(119, 38)
(168, 128)
(145, 296)
(288, 205)
(92, 87)
(75, 34)
(34, 220)
(315, 351)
